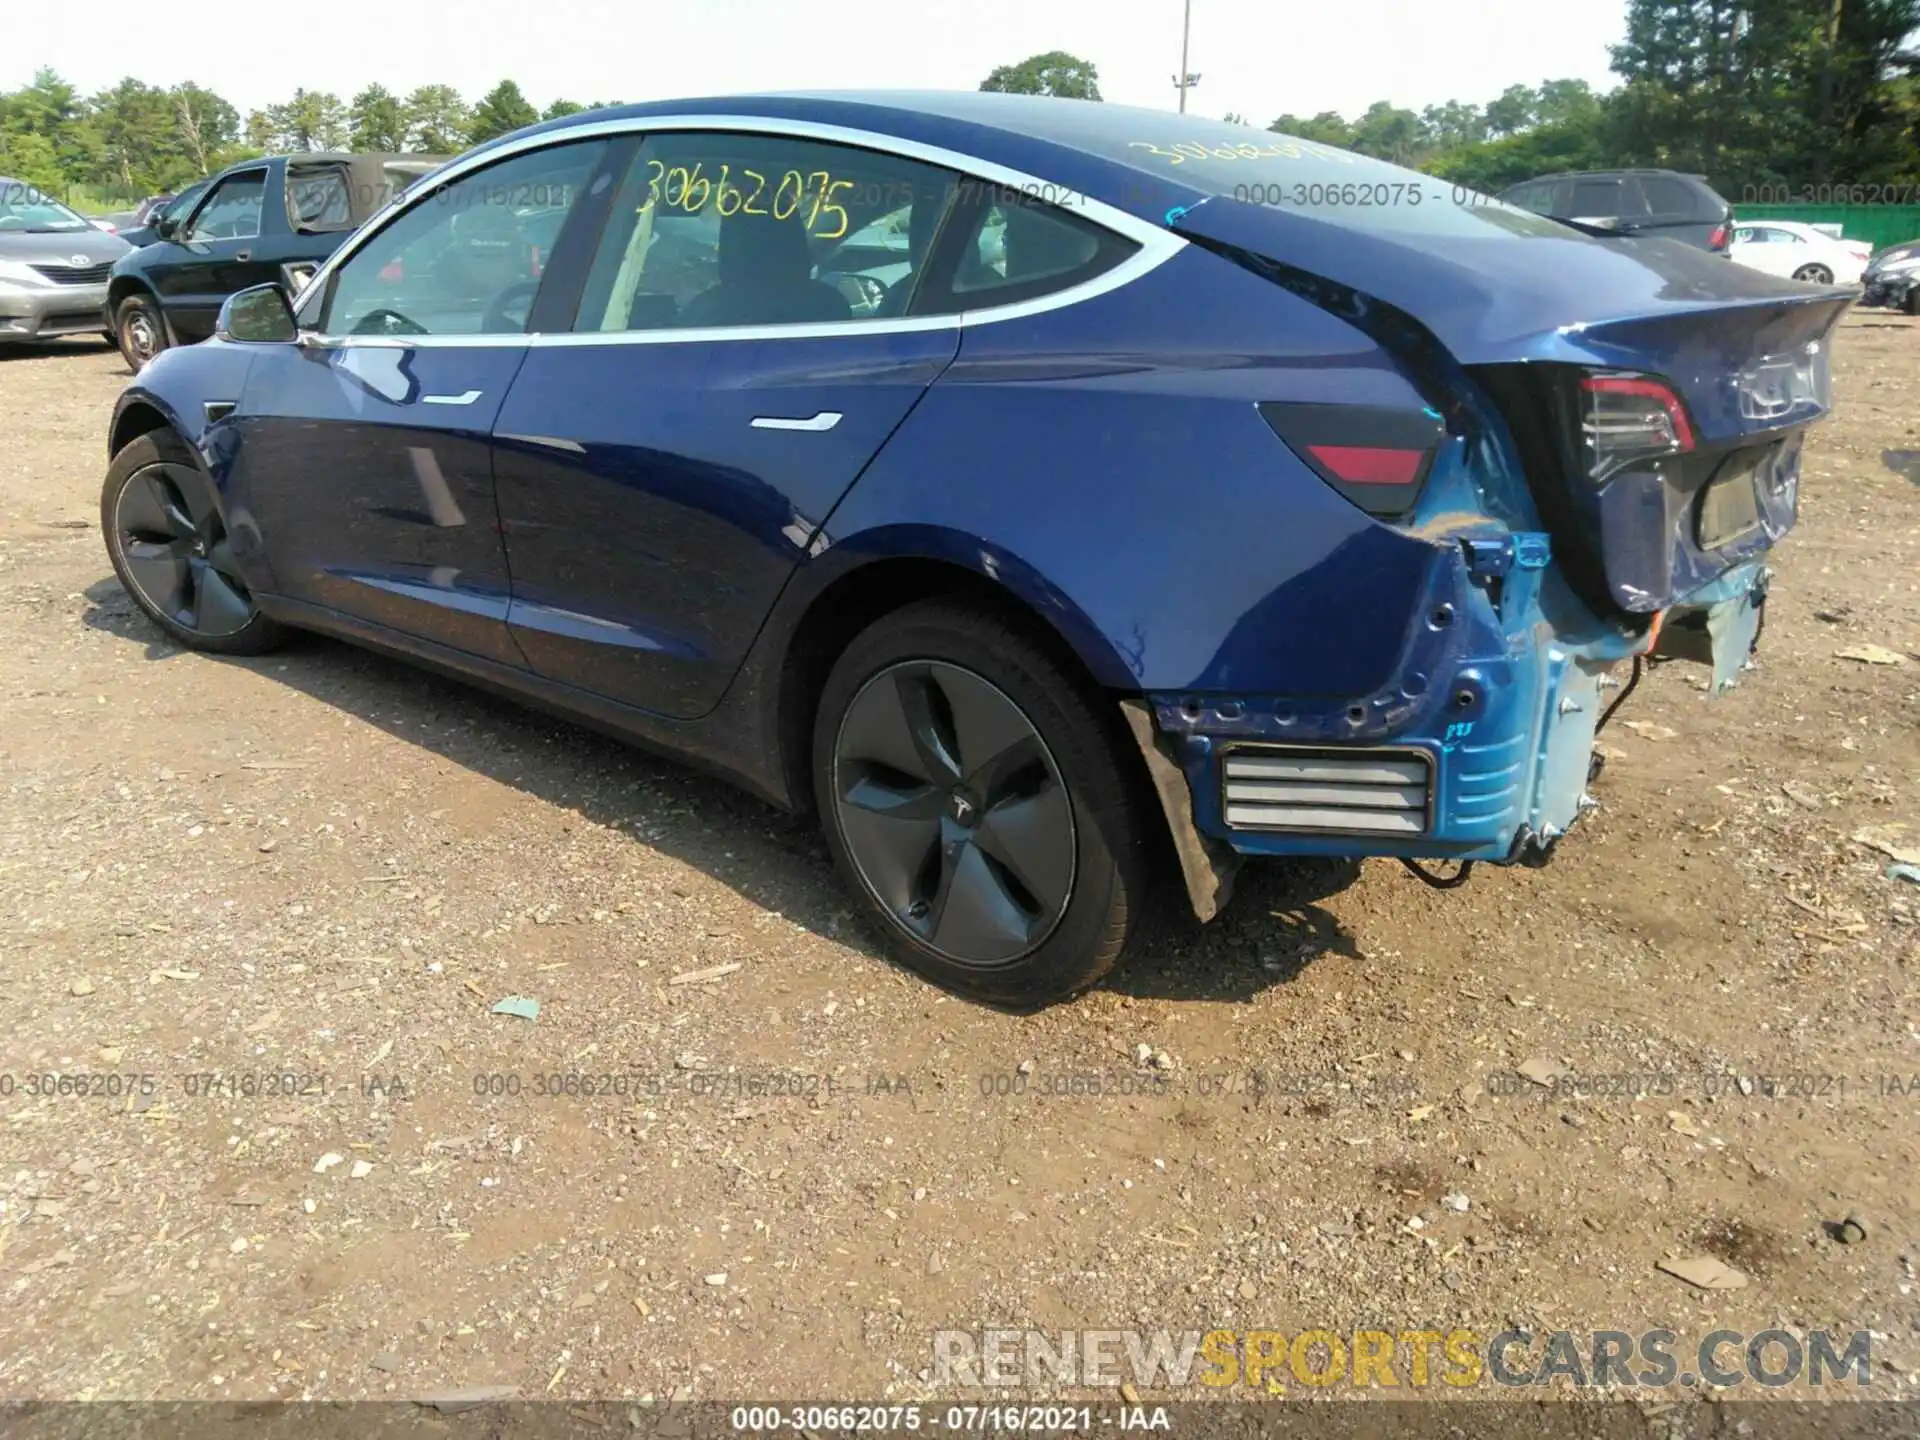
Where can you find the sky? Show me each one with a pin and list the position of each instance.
(1261, 58)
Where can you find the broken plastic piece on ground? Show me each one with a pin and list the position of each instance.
(519, 1006)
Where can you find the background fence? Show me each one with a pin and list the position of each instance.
(1880, 225)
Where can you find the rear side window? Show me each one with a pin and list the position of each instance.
(319, 198)
(713, 230)
(1670, 199)
(1600, 199)
(233, 210)
(1004, 247)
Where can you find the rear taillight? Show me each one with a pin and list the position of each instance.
(1376, 456)
(1624, 418)
(1717, 240)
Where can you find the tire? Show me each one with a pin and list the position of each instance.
(1814, 274)
(975, 881)
(1912, 303)
(140, 329)
(168, 543)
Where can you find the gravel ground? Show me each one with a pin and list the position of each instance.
(792, 1172)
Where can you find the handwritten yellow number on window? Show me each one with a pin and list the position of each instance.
(723, 193)
(653, 186)
(799, 186)
(828, 207)
(759, 188)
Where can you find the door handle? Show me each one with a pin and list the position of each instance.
(465, 397)
(825, 420)
(243, 254)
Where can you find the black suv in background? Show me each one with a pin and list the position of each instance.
(1632, 202)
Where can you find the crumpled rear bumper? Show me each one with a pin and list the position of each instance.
(1481, 751)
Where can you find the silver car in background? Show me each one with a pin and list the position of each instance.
(53, 267)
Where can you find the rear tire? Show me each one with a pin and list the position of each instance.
(169, 546)
(1814, 274)
(140, 329)
(1912, 303)
(982, 804)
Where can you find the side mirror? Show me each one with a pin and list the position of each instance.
(260, 316)
(166, 227)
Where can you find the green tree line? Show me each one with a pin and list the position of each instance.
(137, 139)
(1749, 93)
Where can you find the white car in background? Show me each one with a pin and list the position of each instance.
(1799, 252)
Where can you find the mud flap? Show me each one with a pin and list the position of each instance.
(1207, 865)
(1718, 625)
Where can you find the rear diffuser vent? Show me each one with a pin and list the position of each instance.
(1345, 792)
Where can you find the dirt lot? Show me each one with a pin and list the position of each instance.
(326, 865)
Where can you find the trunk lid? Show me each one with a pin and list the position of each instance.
(1529, 310)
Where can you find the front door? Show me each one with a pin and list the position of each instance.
(364, 456)
(734, 366)
(213, 256)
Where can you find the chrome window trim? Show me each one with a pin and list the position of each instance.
(1157, 245)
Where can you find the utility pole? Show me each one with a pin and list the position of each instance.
(1186, 79)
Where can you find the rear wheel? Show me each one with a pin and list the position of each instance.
(1912, 303)
(169, 545)
(980, 805)
(140, 329)
(1814, 274)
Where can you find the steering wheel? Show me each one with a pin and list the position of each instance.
(501, 317)
(388, 322)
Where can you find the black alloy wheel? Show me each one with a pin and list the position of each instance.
(169, 545)
(954, 812)
(981, 798)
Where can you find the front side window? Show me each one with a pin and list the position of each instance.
(232, 211)
(466, 258)
(713, 230)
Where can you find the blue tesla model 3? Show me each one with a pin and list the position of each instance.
(1051, 496)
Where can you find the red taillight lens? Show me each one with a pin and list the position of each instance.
(1370, 464)
(1717, 240)
(1624, 418)
(1376, 456)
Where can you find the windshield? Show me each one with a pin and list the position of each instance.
(24, 208)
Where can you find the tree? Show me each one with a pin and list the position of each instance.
(1054, 73)
(437, 120)
(311, 120)
(208, 127)
(502, 110)
(1326, 128)
(131, 125)
(560, 109)
(376, 122)
(50, 110)
(1513, 111)
(1387, 132)
(1453, 124)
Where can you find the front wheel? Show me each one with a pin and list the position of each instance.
(1814, 274)
(169, 545)
(140, 329)
(987, 813)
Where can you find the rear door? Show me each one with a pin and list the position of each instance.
(214, 254)
(663, 468)
(365, 449)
